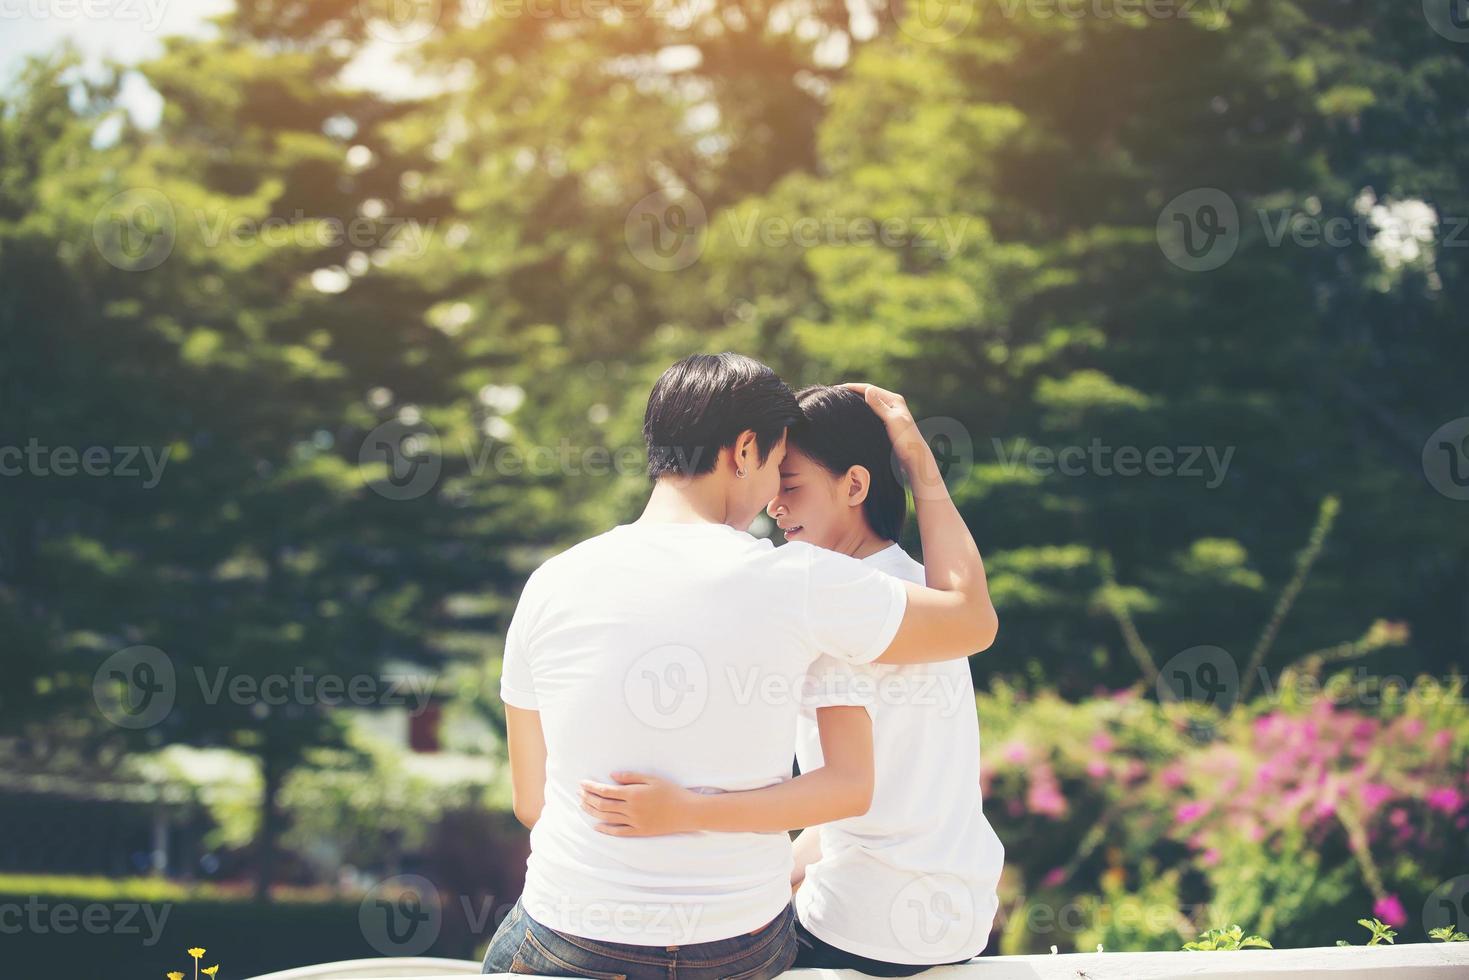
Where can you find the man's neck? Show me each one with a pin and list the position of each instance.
(685, 500)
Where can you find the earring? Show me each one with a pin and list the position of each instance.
(740, 472)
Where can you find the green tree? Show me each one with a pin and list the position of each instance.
(261, 316)
(1061, 150)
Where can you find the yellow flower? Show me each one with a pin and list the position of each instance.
(210, 970)
(196, 952)
(175, 976)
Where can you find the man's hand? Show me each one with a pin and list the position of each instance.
(639, 805)
(912, 450)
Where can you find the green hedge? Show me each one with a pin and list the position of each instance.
(97, 929)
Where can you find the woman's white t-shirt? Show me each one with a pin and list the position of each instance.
(679, 650)
(914, 879)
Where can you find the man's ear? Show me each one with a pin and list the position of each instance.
(745, 453)
(859, 482)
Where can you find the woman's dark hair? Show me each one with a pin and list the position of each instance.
(703, 403)
(838, 431)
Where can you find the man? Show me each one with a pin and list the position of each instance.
(676, 646)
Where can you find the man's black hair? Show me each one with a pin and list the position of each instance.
(838, 430)
(701, 405)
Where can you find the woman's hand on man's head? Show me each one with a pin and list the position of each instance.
(912, 450)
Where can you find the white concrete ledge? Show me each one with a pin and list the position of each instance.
(1416, 961)
(383, 968)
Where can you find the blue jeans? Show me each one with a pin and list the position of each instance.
(818, 954)
(523, 945)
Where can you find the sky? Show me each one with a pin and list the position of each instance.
(132, 30)
(123, 29)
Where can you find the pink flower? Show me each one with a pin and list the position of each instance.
(1295, 798)
(1172, 777)
(1398, 817)
(1375, 794)
(1054, 877)
(1044, 798)
(1390, 910)
(1443, 739)
(1447, 800)
(1211, 857)
(1102, 742)
(1097, 769)
(1189, 812)
(1016, 752)
(1044, 795)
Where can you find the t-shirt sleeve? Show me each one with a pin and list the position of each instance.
(833, 683)
(852, 610)
(517, 680)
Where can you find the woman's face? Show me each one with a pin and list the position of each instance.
(813, 504)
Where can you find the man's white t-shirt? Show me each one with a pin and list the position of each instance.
(914, 879)
(679, 650)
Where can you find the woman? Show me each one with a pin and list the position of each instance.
(912, 882)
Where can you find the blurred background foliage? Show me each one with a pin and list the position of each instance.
(499, 314)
